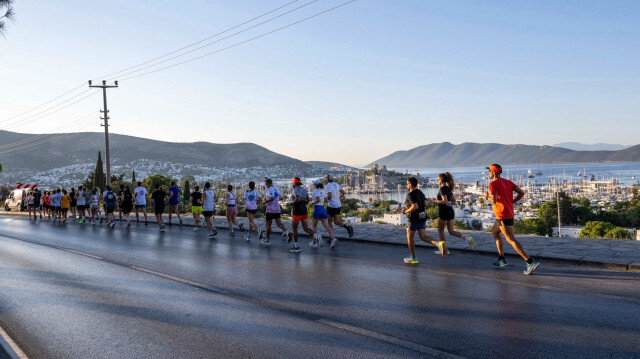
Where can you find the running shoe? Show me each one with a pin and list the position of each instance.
(161, 229)
(350, 231)
(289, 237)
(232, 234)
(313, 244)
(500, 263)
(285, 234)
(170, 225)
(531, 267)
(241, 227)
(472, 242)
(195, 229)
(202, 222)
(265, 242)
(294, 249)
(261, 234)
(247, 238)
(411, 260)
(129, 225)
(215, 231)
(180, 225)
(101, 220)
(441, 247)
(319, 237)
(334, 242)
(438, 252)
(145, 223)
(212, 236)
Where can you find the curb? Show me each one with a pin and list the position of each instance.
(6, 350)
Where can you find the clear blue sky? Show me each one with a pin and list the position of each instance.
(349, 86)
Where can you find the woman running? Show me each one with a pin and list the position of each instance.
(65, 203)
(251, 197)
(320, 214)
(127, 204)
(299, 212)
(73, 202)
(196, 205)
(232, 210)
(95, 204)
(30, 208)
(446, 215)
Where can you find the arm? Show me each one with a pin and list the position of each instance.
(316, 200)
(341, 193)
(520, 193)
(412, 208)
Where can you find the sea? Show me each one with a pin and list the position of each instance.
(627, 173)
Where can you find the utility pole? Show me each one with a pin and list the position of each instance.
(559, 219)
(104, 88)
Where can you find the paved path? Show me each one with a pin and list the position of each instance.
(612, 253)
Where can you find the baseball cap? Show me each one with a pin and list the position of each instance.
(330, 177)
(495, 168)
(317, 182)
(296, 180)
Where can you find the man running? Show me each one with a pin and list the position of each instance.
(335, 193)
(73, 202)
(208, 206)
(80, 196)
(173, 202)
(141, 202)
(119, 204)
(109, 203)
(502, 199)
(415, 205)
(37, 197)
(272, 197)
(56, 200)
(157, 202)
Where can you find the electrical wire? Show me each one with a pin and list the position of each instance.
(44, 141)
(239, 43)
(37, 137)
(46, 103)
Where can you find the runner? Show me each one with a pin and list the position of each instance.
(446, 215)
(299, 212)
(37, 205)
(55, 200)
(30, 208)
(232, 210)
(157, 202)
(127, 204)
(502, 199)
(45, 204)
(335, 193)
(251, 197)
(65, 203)
(320, 214)
(272, 197)
(140, 194)
(73, 202)
(174, 202)
(109, 201)
(87, 201)
(80, 196)
(208, 206)
(415, 205)
(95, 204)
(196, 205)
(119, 203)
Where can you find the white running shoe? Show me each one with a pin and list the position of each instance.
(334, 242)
(313, 244)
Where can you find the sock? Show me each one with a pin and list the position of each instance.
(501, 258)
(529, 261)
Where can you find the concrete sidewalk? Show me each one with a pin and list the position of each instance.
(611, 253)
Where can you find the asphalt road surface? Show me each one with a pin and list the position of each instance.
(87, 291)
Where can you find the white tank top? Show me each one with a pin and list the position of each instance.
(232, 199)
(208, 202)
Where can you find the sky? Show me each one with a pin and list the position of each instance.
(351, 85)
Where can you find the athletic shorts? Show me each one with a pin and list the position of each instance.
(207, 214)
(110, 209)
(56, 208)
(95, 207)
(252, 211)
(506, 222)
(319, 213)
(333, 211)
(138, 206)
(174, 204)
(196, 209)
(416, 226)
(158, 210)
(64, 211)
(446, 214)
(272, 216)
(36, 205)
(300, 217)
(80, 208)
(232, 210)
(74, 203)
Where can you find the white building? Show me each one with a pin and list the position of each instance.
(352, 219)
(395, 218)
(567, 231)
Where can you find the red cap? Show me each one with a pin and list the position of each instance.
(495, 168)
(296, 180)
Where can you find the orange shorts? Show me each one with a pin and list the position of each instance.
(301, 217)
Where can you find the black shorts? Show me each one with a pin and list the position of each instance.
(64, 210)
(110, 209)
(507, 222)
(80, 208)
(158, 210)
(207, 214)
(252, 211)
(272, 216)
(74, 203)
(333, 211)
(57, 208)
(446, 213)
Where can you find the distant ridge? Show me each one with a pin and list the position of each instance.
(83, 147)
(446, 154)
(594, 147)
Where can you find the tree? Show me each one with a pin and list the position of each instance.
(88, 183)
(596, 229)
(99, 179)
(476, 224)
(133, 177)
(186, 193)
(7, 8)
(531, 226)
(150, 182)
(618, 233)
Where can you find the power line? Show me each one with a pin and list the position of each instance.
(219, 40)
(42, 142)
(240, 43)
(198, 42)
(37, 137)
(46, 103)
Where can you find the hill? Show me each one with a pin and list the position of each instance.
(594, 147)
(477, 154)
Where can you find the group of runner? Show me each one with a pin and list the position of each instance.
(58, 203)
(500, 195)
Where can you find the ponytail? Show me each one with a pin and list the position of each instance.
(449, 181)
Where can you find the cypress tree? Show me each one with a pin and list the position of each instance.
(133, 178)
(99, 179)
(186, 193)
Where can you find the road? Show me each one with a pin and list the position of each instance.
(84, 291)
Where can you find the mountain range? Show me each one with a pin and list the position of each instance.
(446, 154)
(576, 146)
